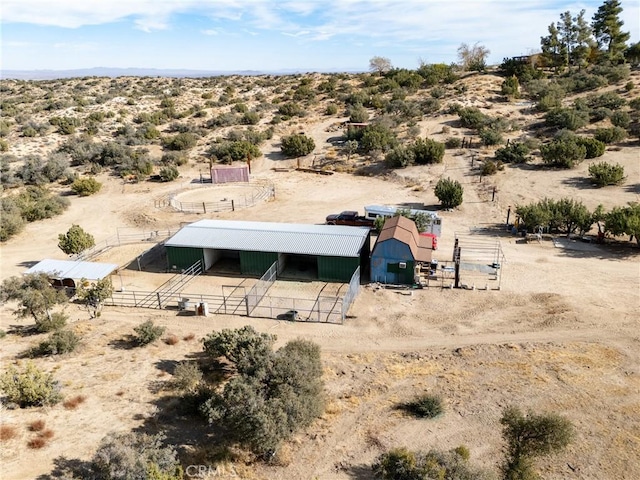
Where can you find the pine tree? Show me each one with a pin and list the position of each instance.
(607, 28)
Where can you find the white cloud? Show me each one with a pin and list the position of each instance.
(209, 32)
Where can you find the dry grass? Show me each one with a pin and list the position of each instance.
(36, 425)
(171, 339)
(7, 432)
(46, 434)
(188, 338)
(37, 443)
(72, 403)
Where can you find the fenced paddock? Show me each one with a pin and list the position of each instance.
(482, 261)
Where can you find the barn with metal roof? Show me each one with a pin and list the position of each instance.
(68, 272)
(326, 252)
(398, 249)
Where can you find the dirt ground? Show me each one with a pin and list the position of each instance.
(561, 334)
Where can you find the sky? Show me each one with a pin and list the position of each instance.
(274, 35)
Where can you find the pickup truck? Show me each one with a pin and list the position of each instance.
(349, 218)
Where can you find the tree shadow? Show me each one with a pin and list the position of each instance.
(583, 183)
(126, 342)
(635, 188)
(610, 250)
(66, 468)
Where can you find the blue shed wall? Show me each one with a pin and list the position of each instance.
(392, 252)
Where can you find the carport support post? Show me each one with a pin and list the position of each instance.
(233, 206)
(457, 268)
(159, 301)
(204, 207)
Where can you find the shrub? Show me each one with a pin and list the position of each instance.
(426, 406)
(453, 142)
(610, 135)
(511, 87)
(489, 167)
(563, 152)
(173, 158)
(86, 186)
(76, 240)
(228, 152)
(291, 109)
(428, 151)
(594, 148)
(250, 118)
(168, 174)
(567, 118)
(449, 192)
(171, 339)
(37, 443)
(603, 174)
(187, 376)
(621, 119)
(358, 114)
(297, 145)
(72, 403)
(60, 342)
(148, 332)
(36, 425)
(7, 432)
(135, 456)
(29, 387)
(332, 109)
(399, 157)
(373, 137)
(472, 117)
(49, 323)
(181, 141)
(4, 146)
(490, 136)
(515, 152)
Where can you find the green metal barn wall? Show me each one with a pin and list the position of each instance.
(337, 269)
(183, 257)
(256, 263)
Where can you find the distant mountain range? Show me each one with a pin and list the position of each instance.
(143, 72)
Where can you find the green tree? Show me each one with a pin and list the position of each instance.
(603, 174)
(273, 394)
(515, 152)
(530, 436)
(148, 332)
(624, 221)
(94, 294)
(399, 157)
(552, 47)
(34, 294)
(607, 28)
(30, 386)
(76, 240)
(297, 145)
(427, 151)
(449, 192)
(563, 153)
(511, 87)
(85, 186)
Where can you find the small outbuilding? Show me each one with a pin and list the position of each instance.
(398, 250)
(66, 273)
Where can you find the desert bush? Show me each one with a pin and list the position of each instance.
(7, 432)
(171, 339)
(148, 332)
(2, 334)
(567, 118)
(399, 157)
(610, 135)
(524, 72)
(565, 215)
(31, 171)
(429, 105)
(621, 119)
(449, 192)
(51, 323)
(58, 343)
(491, 136)
(85, 186)
(426, 406)
(515, 152)
(173, 158)
(427, 151)
(472, 117)
(37, 443)
(187, 376)
(73, 402)
(29, 386)
(403, 464)
(250, 118)
(358, 114)
(603, 174)
(36, 425)
(227, 152)
(66, 125)
(76, 240)
(4, 146)
(269, 400)
(297, 145)
(610, 100)
(332, 109)
(131, 456)
(168, 174)
(181, 141)
(291, 109)
(594, 148)
(563, 152)
(510, 87)
(375, 136)
(489, 167)
(530, 436)
(453, 142)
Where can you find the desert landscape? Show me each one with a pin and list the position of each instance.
(560, 335)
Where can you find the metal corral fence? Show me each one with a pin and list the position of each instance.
(262, 190)
(261, 287)
(321, 309)
(352, 292)
(124, 239)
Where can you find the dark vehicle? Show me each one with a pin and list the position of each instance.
(351, 218)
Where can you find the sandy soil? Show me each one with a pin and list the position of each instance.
(560, 335)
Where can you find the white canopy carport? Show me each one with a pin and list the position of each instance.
(70, 269)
